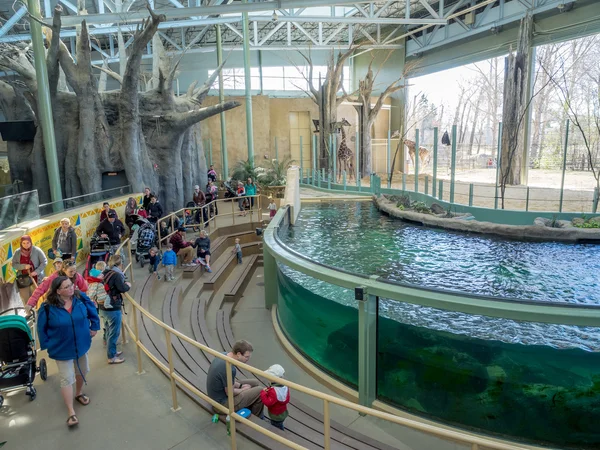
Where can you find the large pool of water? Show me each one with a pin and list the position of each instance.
(530, 381)
(358, 238)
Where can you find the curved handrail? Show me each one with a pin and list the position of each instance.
(531, 311)
(256, 210)
(454, 435)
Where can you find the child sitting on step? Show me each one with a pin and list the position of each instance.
(276, 397)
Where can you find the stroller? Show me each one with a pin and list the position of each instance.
(146, 239)
(229, 191)
(18, 354)
(100, 250)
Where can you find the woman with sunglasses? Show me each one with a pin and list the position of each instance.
(66, 324)
(69, 270)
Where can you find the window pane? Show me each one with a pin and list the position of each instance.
(254, 71)
(272, 71)
(239, 83)
(255, 83)
(273, 84)
(295, 84)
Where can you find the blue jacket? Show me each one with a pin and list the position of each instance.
(169, 258)
(67, 336)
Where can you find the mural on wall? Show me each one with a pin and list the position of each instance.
(85, 222)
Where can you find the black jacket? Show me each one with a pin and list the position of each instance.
(115, 280)
(155, 210)
(146, 202)
(114, 230)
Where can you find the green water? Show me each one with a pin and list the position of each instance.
(526, 381)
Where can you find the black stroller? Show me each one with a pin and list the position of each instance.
(100, 250)
(229, 191)
(18, 354)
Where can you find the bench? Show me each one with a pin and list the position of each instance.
(234, 294)
(216, 279)
(217, 247)
(298, 410)
(149, 336)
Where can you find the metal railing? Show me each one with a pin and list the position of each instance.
(204, 211)
(175, 379)
(75, 202)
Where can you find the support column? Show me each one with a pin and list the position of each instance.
(248, 86)
(260, 72)
(270, 268)
(367, 348)
(453, 164)
(44, 104)
(527, 118)
(221, 100)
(435, 159)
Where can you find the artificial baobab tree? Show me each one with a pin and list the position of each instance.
(515, 104)
(327, 97)
(151, 135)
(368, 114)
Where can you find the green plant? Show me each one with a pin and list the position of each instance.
(587, 225)
(421, 207)
(243, 170)
(274, 173)
(554, 221)
(400, 206)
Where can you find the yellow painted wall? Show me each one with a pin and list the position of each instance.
(84, 220)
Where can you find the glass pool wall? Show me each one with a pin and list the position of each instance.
(531, 392)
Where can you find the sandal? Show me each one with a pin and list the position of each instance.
(72, 421)
(83, 399)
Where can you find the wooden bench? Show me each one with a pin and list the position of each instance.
(234, 294)
(298, 410)
(217, 247)
(217, 279)
(149, 336)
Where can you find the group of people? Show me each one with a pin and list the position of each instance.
(248, 393)
(76, 308)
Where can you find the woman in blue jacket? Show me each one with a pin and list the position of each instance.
(66, 324)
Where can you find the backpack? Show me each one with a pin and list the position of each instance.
(109, 296)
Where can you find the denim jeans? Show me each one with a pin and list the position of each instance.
(113, 331)
(239, 257)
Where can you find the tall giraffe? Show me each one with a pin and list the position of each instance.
(345, 156)
(424, 154)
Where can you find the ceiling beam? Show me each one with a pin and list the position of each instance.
(181, 13)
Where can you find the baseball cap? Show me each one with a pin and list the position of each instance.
(276, 370)
(57, 260)
(112, 214)
(196, 187)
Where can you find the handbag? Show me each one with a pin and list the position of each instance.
(51, 254)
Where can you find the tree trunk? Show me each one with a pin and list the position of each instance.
(515, 103)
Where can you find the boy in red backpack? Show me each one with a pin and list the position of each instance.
(276, 397)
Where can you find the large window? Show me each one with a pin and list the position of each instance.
(277, 78)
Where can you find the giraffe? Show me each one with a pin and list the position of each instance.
(424, 154)
(345, 156)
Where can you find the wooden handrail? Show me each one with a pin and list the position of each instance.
(453, 435)
(257, 209)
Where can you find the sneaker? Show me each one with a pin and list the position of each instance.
(116, 360)
(208, 269)
(158, 277)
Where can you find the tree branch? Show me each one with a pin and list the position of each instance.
(200, 94)
(187, 119)
(110, 73)
(52, 57)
